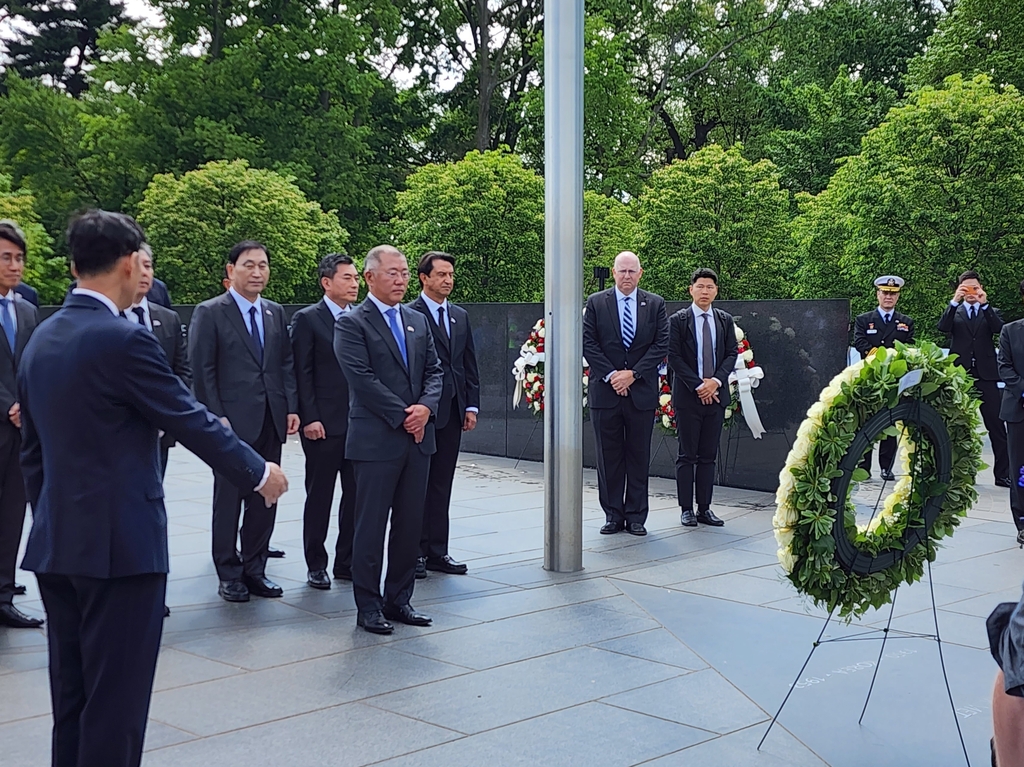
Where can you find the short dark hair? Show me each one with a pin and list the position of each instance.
(970, 274)
(703, 273)
(329, 264)
(98, 239)
(11, 232)
(243, 246)
(426, 264)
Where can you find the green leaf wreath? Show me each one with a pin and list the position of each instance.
(804, 521)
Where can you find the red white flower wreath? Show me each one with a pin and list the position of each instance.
(528, 372)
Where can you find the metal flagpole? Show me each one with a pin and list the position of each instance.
(563, 285)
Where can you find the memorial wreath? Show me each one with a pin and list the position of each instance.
(924, 399)
(528, 372)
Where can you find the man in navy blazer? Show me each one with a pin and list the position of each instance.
(95, 390)
(387, 354)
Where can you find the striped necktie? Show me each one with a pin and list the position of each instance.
(628, 330)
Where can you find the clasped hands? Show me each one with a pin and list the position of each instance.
(708, 391)
(416, 421)
(621, 380)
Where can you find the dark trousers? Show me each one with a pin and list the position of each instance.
(398, 485)
(104, 636)
(12, 508)
(434, 537)
(258, 523)
(325, 459)
(623, 437)
(886, 455)
(1015, 445)
(991, 398)
(700, 430)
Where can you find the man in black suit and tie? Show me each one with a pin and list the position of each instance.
(883, 326)
(460, 404)
(94, 391)
(386, 352)
(166, 325)
(969, 323)
(701, 354)
(1011, 410)
(323, 410)
(243, 371)
(625, 339)
(157, 294)
(18, 320)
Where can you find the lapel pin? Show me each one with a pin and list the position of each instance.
(156, 323)
(410, 328)
(643, 303)
(268, 312)
(451, 320)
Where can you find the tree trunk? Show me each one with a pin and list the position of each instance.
(485, 78)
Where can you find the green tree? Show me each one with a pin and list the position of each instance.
(43, 271)
(192, 222)
(938, 188)
(487, 210)
(978, 37)
(718, 210)
(608, 229)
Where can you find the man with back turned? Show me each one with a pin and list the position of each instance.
(95, 390)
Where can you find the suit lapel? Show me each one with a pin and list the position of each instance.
(24, 330)
(326, 317)
(234, 317)
(412, 345)
(974, 324)
(613, 308)
(271, 334)
(376, 319)
(440, 336)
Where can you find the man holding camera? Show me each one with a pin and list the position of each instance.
(970, 323)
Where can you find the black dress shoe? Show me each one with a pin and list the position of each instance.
(447, 565)
(167, 611)
(635, 528)
(610, 528)
(405, 614)
(887, 475)
(373, 621)
(421, 568)
(20, 590)
(1020, 538)
(318, 579)
(262, 587)
(14, 618)
(686, 519)
(274, 553)
(233, 591)
(343, 575)
(1001, 482)
(707, 517)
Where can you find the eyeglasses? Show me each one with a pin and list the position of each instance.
(394, 274)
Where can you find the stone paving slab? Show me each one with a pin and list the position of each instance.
(674, 649)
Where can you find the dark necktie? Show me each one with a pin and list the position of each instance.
(627, 323)
(254, 331)
(122, 315)
(6, 321)
(138, 312)
(396, 331)
(708, 351)
(972, 312)
(440, 320)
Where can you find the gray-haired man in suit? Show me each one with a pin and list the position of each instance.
(395, 380)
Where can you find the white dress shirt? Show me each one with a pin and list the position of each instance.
(12, 315)
(336, 311)
(447, 327)
(244, 305)
(621, 299)
(384, 309)
(698, 326)
(133, 317)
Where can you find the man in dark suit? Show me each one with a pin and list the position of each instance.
(457, 412)
(166, 325)
(94, 391)
(701, 354)
(243, 371)
(386, 352)
(883, 326)
(323, 410)
(18, 320)
(1011, 410)
(969, 323)
(157, 294)
(625, 339)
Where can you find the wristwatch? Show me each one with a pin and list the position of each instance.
(636, 376)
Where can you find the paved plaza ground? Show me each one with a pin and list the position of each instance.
(674, 649)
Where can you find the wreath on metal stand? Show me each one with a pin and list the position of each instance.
(919, 396)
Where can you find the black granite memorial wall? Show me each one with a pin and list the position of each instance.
(799, 344)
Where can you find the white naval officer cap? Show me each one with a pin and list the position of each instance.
(889, 284)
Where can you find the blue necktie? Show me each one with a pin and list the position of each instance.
(254, 331)
(627, 323)
(7, 322)
(396, 331)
